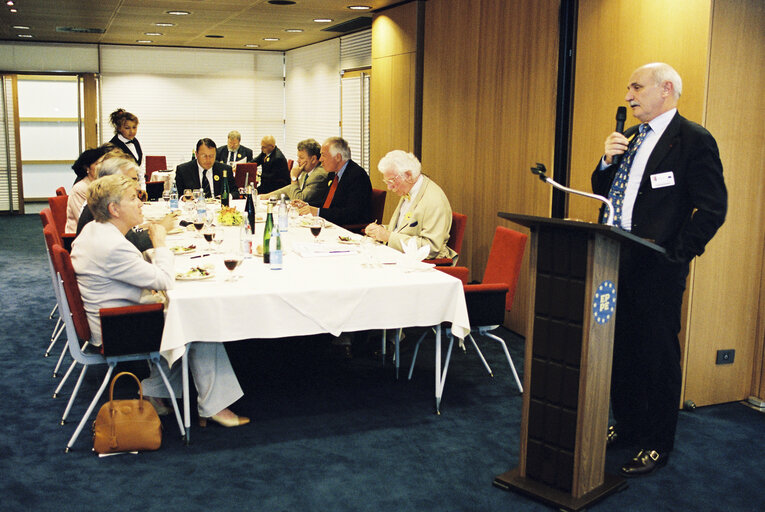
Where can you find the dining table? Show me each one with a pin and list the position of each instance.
(339, 282)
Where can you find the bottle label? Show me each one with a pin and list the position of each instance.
(276, 260)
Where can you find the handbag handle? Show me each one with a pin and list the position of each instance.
(111, 391)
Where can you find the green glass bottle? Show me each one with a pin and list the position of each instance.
(267, 234)
(225, 195)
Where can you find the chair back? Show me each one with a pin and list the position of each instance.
(120, 325)
(290, 163)
(60, 191)
(505, 257)
(242, 171)
(154, 189)
(62, 263)
(378, 204)
(155, 163)
(457, 231)
(46, 217)
(57, 206)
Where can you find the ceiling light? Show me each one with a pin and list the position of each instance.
(164, 24)
(9, 3)
(252, 46)
(144, 41)
(178, 13)
(28, 36)
(12, 11)
(293, 30)
(323, 20)
(359, 7)
(270, 39)
(20, 27)
(153, 33)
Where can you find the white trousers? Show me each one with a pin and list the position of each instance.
(214, 378)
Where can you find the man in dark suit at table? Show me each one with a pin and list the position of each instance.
(349, 198)
(668, 188)
(274, 171)
(233, 151)
(204, 172)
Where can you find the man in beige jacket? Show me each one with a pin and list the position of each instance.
(423, 212)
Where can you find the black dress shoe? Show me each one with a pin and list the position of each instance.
(644, 463)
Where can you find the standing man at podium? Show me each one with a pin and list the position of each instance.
(667, 187)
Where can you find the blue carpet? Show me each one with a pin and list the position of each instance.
(328, 434)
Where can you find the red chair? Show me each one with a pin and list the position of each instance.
(246, 172)
(60, 191)
(377, 207)
(57, 206)
(290, 163)
(155, 163)
(138, 343)
(49, 232)
(488, 301)
(456, 235)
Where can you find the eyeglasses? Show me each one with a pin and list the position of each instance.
(392, 180)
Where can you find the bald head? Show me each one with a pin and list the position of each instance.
(267, 144)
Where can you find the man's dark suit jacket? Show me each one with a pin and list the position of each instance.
(118, 143)
(187, 176)
(666, 214)
(274, 171)
(241, 152)
(352, 202)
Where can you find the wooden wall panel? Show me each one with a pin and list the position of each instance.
(394, 52)
(489, 114)
(727, 278)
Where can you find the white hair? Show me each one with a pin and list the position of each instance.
(338, 145)
(400, 162)
(662, 72)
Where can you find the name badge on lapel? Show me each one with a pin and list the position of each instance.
(663, 179)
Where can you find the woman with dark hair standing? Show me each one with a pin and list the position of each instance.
(125, 127)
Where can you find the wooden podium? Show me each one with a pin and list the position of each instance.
(567, 365)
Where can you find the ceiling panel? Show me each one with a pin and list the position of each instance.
(240, 22)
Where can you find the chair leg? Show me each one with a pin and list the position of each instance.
(509, 359)
(60, 360)
(480, 354)
(57, 330)
(53, 311)
(74, 393)
(414, 356)
(172, 399)
(92, 406)
(64, 379)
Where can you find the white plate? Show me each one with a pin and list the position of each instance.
(194, 277)
(183, 250)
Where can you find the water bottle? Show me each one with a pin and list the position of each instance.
(173, 197)
(276, 250)
(246, 241)
(284, 219)
(201, 207)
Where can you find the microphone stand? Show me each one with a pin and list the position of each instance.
(540, 170)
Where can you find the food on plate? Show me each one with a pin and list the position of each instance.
(182, 249)
(199, 272)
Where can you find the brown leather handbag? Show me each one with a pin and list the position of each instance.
(126, 425)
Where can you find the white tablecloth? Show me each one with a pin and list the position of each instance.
(310, 295)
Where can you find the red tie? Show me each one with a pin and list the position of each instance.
(331, 193)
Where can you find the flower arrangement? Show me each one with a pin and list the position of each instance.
(228, 216)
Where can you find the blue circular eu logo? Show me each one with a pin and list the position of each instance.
(604, 302)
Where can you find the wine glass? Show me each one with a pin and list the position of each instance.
(188, 194)
(209, 234)
(218, 240)
(232, 260)
(196, 193)
(316, 224)
(199, 223)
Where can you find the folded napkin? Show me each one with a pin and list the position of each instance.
(313, 250)
(414, 253)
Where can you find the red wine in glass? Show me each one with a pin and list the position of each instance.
(231, 264)
(315, 230)
(199, 225)
(209, 235)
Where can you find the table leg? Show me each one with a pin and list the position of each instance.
(186, 407)
(398, 350)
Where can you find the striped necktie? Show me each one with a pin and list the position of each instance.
(619, 185)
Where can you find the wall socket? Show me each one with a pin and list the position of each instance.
(725, 356)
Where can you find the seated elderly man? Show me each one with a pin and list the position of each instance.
(233, 152)
(274, 172)
(309, 179)
(423, 213)
(111, 272)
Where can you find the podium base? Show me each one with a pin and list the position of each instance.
(512, 481)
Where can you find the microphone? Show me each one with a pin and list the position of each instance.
(540, 170)
(621, 116)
